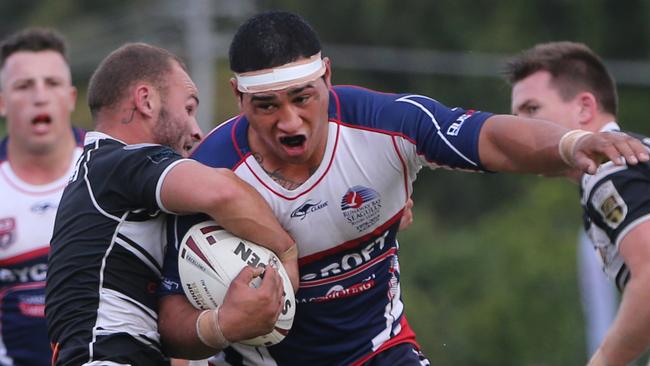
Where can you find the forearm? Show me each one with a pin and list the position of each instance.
(192, 187)
(522, 145)
(177, 328)
(242, 211)
(629, 335)
(245, 213)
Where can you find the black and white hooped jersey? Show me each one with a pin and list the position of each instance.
(106, 256)
(344, 219)
(615, 200)
(26, 220)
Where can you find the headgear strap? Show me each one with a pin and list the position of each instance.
(281, 77)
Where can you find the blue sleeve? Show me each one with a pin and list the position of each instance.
(442, 136)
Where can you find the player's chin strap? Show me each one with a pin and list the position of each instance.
(209, 331)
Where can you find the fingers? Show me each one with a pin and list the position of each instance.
(252, 311)
(617, 147)
(248, 274)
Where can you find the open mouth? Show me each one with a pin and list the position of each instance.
(293, 141)
(42, 119)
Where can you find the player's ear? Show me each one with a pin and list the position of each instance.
(72, 99)
(238, 95)
(588, 108)
(144, 99)
(328, 72)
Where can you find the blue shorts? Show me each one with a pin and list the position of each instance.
(404, 354)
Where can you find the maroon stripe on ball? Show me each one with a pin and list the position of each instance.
(195, 248)
(210, 229)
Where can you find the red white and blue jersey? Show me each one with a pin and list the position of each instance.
(26, 220)
(345, 218)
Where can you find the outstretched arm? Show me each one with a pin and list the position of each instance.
(629, 335)
(192, 187)
(523, 145)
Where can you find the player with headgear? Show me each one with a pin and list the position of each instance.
(337, 165)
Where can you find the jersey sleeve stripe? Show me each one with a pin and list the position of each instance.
(406, 99)
(160, 184)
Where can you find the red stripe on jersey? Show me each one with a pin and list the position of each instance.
(363, 267)
(407, 335)
(25, 256)
(352, 243)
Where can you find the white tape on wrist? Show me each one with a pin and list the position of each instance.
(568, 144)
(210, 333)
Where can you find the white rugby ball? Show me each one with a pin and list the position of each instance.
(210, 258)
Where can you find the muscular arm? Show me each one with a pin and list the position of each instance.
(191, 187)
(629, 335)
(246, 312)
(523, 145)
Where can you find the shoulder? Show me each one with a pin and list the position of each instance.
(616, 194)
(226, 145)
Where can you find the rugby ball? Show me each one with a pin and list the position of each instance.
(211, 257)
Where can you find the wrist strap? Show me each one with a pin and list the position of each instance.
(208, 330)
(568, 143)
(289, 254)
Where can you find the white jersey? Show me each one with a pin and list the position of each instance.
(615, 200)
(27, 214)
(345, 217)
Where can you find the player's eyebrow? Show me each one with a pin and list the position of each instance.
(263, 97)
(522, 106)
(273, 96)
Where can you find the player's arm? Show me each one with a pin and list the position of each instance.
(192, 187)
(523, 145)
(246, 312)
(629, 335)
(407, 216)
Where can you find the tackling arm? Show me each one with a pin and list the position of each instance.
(629, 335)
(192, 187)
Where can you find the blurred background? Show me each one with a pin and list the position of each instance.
(489, 266)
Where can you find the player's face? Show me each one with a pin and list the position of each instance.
(536, 97)
(290, 125)
(177, 126)
(37, 99)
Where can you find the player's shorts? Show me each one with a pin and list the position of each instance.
(404, 354)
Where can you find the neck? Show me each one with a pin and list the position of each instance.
(289, 175)
(42, 167)
(600, 121)
(125, 127)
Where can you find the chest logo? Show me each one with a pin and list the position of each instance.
(361, 207)
(308, 207)
(609, 204)
(7, 232)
